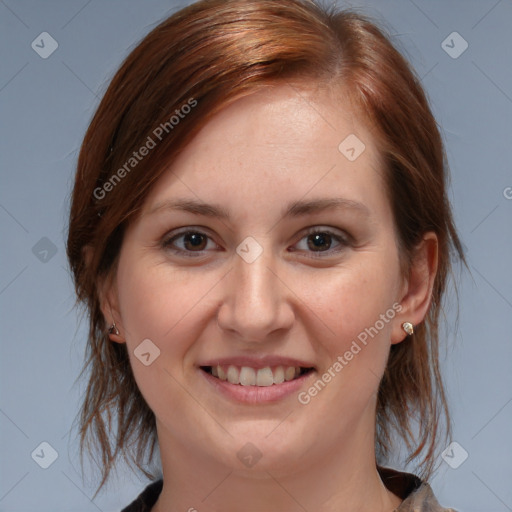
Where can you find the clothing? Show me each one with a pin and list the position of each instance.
(417, 495)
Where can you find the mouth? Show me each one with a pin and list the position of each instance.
(258, 377)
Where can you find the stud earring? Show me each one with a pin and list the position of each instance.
(113, 329)
(408, 328)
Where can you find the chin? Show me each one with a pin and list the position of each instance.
(259, 449)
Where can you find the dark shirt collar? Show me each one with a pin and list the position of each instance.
(417, 495)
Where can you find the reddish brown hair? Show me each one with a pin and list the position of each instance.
(212, 53)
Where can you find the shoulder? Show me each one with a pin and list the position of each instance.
(422, 500)
(146, 499)
(416, 494)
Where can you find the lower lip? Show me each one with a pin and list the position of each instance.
(257, 394)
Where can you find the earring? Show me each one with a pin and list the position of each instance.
(408, 328)
(113, 329)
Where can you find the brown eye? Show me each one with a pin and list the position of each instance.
(187, 242)
(194, 241)
(319, 242)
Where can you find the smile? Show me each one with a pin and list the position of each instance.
(261, 377)
(256, 386)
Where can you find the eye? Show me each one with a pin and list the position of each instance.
(322, 241)
(188, 242)
(194, 243)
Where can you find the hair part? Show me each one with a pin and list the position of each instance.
(214, 52)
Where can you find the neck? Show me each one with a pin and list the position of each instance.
(343, 480)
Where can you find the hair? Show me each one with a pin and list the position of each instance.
(208, 55)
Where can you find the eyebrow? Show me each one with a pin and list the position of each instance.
(294, 209)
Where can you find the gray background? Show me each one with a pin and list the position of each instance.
(46, 105)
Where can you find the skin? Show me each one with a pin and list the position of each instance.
(253, 158)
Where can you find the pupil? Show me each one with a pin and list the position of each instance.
(195, 239)
(319, 240)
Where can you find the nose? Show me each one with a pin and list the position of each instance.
(257, 304)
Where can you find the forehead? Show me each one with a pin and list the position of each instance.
(274, 145)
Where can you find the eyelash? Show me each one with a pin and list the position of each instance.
(343, 241)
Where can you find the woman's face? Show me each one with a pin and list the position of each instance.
(266, 246)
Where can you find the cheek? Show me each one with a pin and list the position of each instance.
(350, 303)
(349, 300)
(142, 301)
(161, 306)
(161, 303)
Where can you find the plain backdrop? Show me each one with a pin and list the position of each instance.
(46, 105)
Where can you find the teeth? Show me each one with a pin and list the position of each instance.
(233, 375)
(247, 376)
(289, 373)
(264, 377)
(279, 375)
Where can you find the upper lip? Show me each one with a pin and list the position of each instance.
(257, 362)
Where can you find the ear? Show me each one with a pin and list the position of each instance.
(108, 297)
(416, 291)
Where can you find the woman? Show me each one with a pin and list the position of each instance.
(260, 232)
